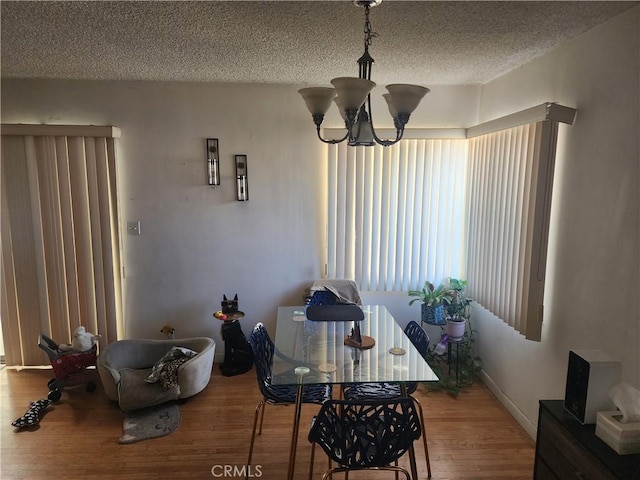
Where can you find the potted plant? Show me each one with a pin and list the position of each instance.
(453, 358)
(457, 309)
(433, 301)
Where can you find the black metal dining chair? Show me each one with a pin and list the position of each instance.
(361, 391)
(365, 434)
(263, 352)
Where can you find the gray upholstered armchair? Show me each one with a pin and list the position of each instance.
(124, 365)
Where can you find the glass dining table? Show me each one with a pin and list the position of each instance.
(314, 352)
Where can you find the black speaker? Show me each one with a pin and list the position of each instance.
(590, 376)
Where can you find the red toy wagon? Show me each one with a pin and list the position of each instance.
(69, 368)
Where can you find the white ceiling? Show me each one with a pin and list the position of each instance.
(421, 42)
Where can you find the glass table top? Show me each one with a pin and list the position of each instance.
(316, 351)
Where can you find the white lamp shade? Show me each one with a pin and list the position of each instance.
(406, 98)
(318, 99)
(392, 109)
(343, 114)
(352, 91)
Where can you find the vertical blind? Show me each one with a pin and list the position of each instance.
(60, 236)
(510, 185)
(475, 208)
(396, 214)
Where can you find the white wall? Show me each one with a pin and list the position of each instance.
(591, 295)
(197, 242)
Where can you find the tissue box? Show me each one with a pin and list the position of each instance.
(624, 438)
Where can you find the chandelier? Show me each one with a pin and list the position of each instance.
(352, 97)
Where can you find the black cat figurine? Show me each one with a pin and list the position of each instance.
(229, 306)
(238, 356)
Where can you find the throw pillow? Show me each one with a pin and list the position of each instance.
(169, 373)
(173, 354)
(134, 392)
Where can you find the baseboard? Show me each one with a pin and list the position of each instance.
(511, 407)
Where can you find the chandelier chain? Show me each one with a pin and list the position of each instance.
(369, 34)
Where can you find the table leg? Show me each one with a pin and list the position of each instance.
(412, 453)
(294, 436)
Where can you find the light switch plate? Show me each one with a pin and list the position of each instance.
(133, 228)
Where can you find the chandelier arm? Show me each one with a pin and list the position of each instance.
(318, 118)
(331, 141)
(384, 143)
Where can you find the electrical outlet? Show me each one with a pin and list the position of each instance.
(133, 228)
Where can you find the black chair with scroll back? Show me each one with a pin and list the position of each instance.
(365, 434)
(361, 391)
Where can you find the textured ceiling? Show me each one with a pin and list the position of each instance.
(419, 42)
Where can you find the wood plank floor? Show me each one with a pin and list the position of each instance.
(471, 437)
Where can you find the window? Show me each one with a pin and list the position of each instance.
(396, 214)
(475, 208)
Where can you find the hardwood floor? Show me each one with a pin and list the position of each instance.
(471, 437)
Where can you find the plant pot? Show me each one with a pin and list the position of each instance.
(456, 328)
(433, 314)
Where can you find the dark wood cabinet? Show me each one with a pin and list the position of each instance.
(568, 450)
